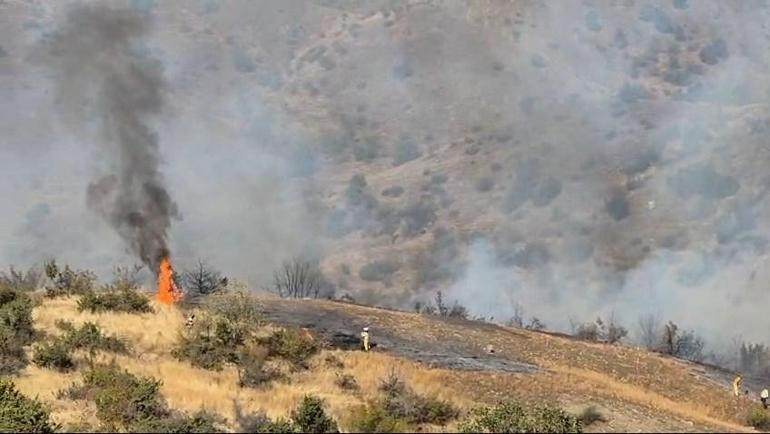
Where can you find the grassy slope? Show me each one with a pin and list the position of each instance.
(634, 389)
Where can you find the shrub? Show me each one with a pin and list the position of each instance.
(67, 281)
(252, 371)
(685, 345)
(125, 300)
(25, 281)
(236, 306)
(90, 337)
(401, 402)
(202, 280)
(372, 418)
(509, 416)
(346, 382)
(121, 398)
(260, 423)
(199, 422)
(16, 314)
(759, 419)
(53, 355)
(311, 417)
(292, 345)
(406, 150)
(21, 414)
(211, 342)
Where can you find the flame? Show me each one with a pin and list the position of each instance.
(168, 292)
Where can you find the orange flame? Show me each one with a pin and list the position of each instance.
(168, 293)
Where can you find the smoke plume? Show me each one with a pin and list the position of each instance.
(102, 71)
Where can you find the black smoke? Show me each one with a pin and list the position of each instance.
(109, 85)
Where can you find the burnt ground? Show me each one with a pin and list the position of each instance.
(340, 329)
(641, 391)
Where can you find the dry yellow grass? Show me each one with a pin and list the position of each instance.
(573, 374)
(148, 333)
(187, 388)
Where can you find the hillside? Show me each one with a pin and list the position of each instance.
(634, 390)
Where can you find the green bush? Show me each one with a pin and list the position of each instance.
(511, 417)
(212, 342)
(53, 355)
(236, 306)
(121, 398)
(200, 422)
(291, 345)
(310, 416)
(400, 401)
(123, 300)
(372, 417)
(759, 419)
(21, 414)
(16, 329)
(260, 423)
(67, 281)
(90, 337)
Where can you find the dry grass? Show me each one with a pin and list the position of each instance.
(642, 390)
(187, 388)
(148, 333)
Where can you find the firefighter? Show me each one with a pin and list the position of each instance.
(365, 339)
(763, 397)
(737, 385)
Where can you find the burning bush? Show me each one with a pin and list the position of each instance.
(21, 414)
(67, 281)
(509, 416)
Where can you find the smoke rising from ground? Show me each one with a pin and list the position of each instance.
(102, 74)
(579, 160)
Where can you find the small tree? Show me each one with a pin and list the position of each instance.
(21, 414)
(298, 278)
(517, 319)
(202, 280)
(310, 416)
(535, 324)
(684, 345)
(21, 280)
